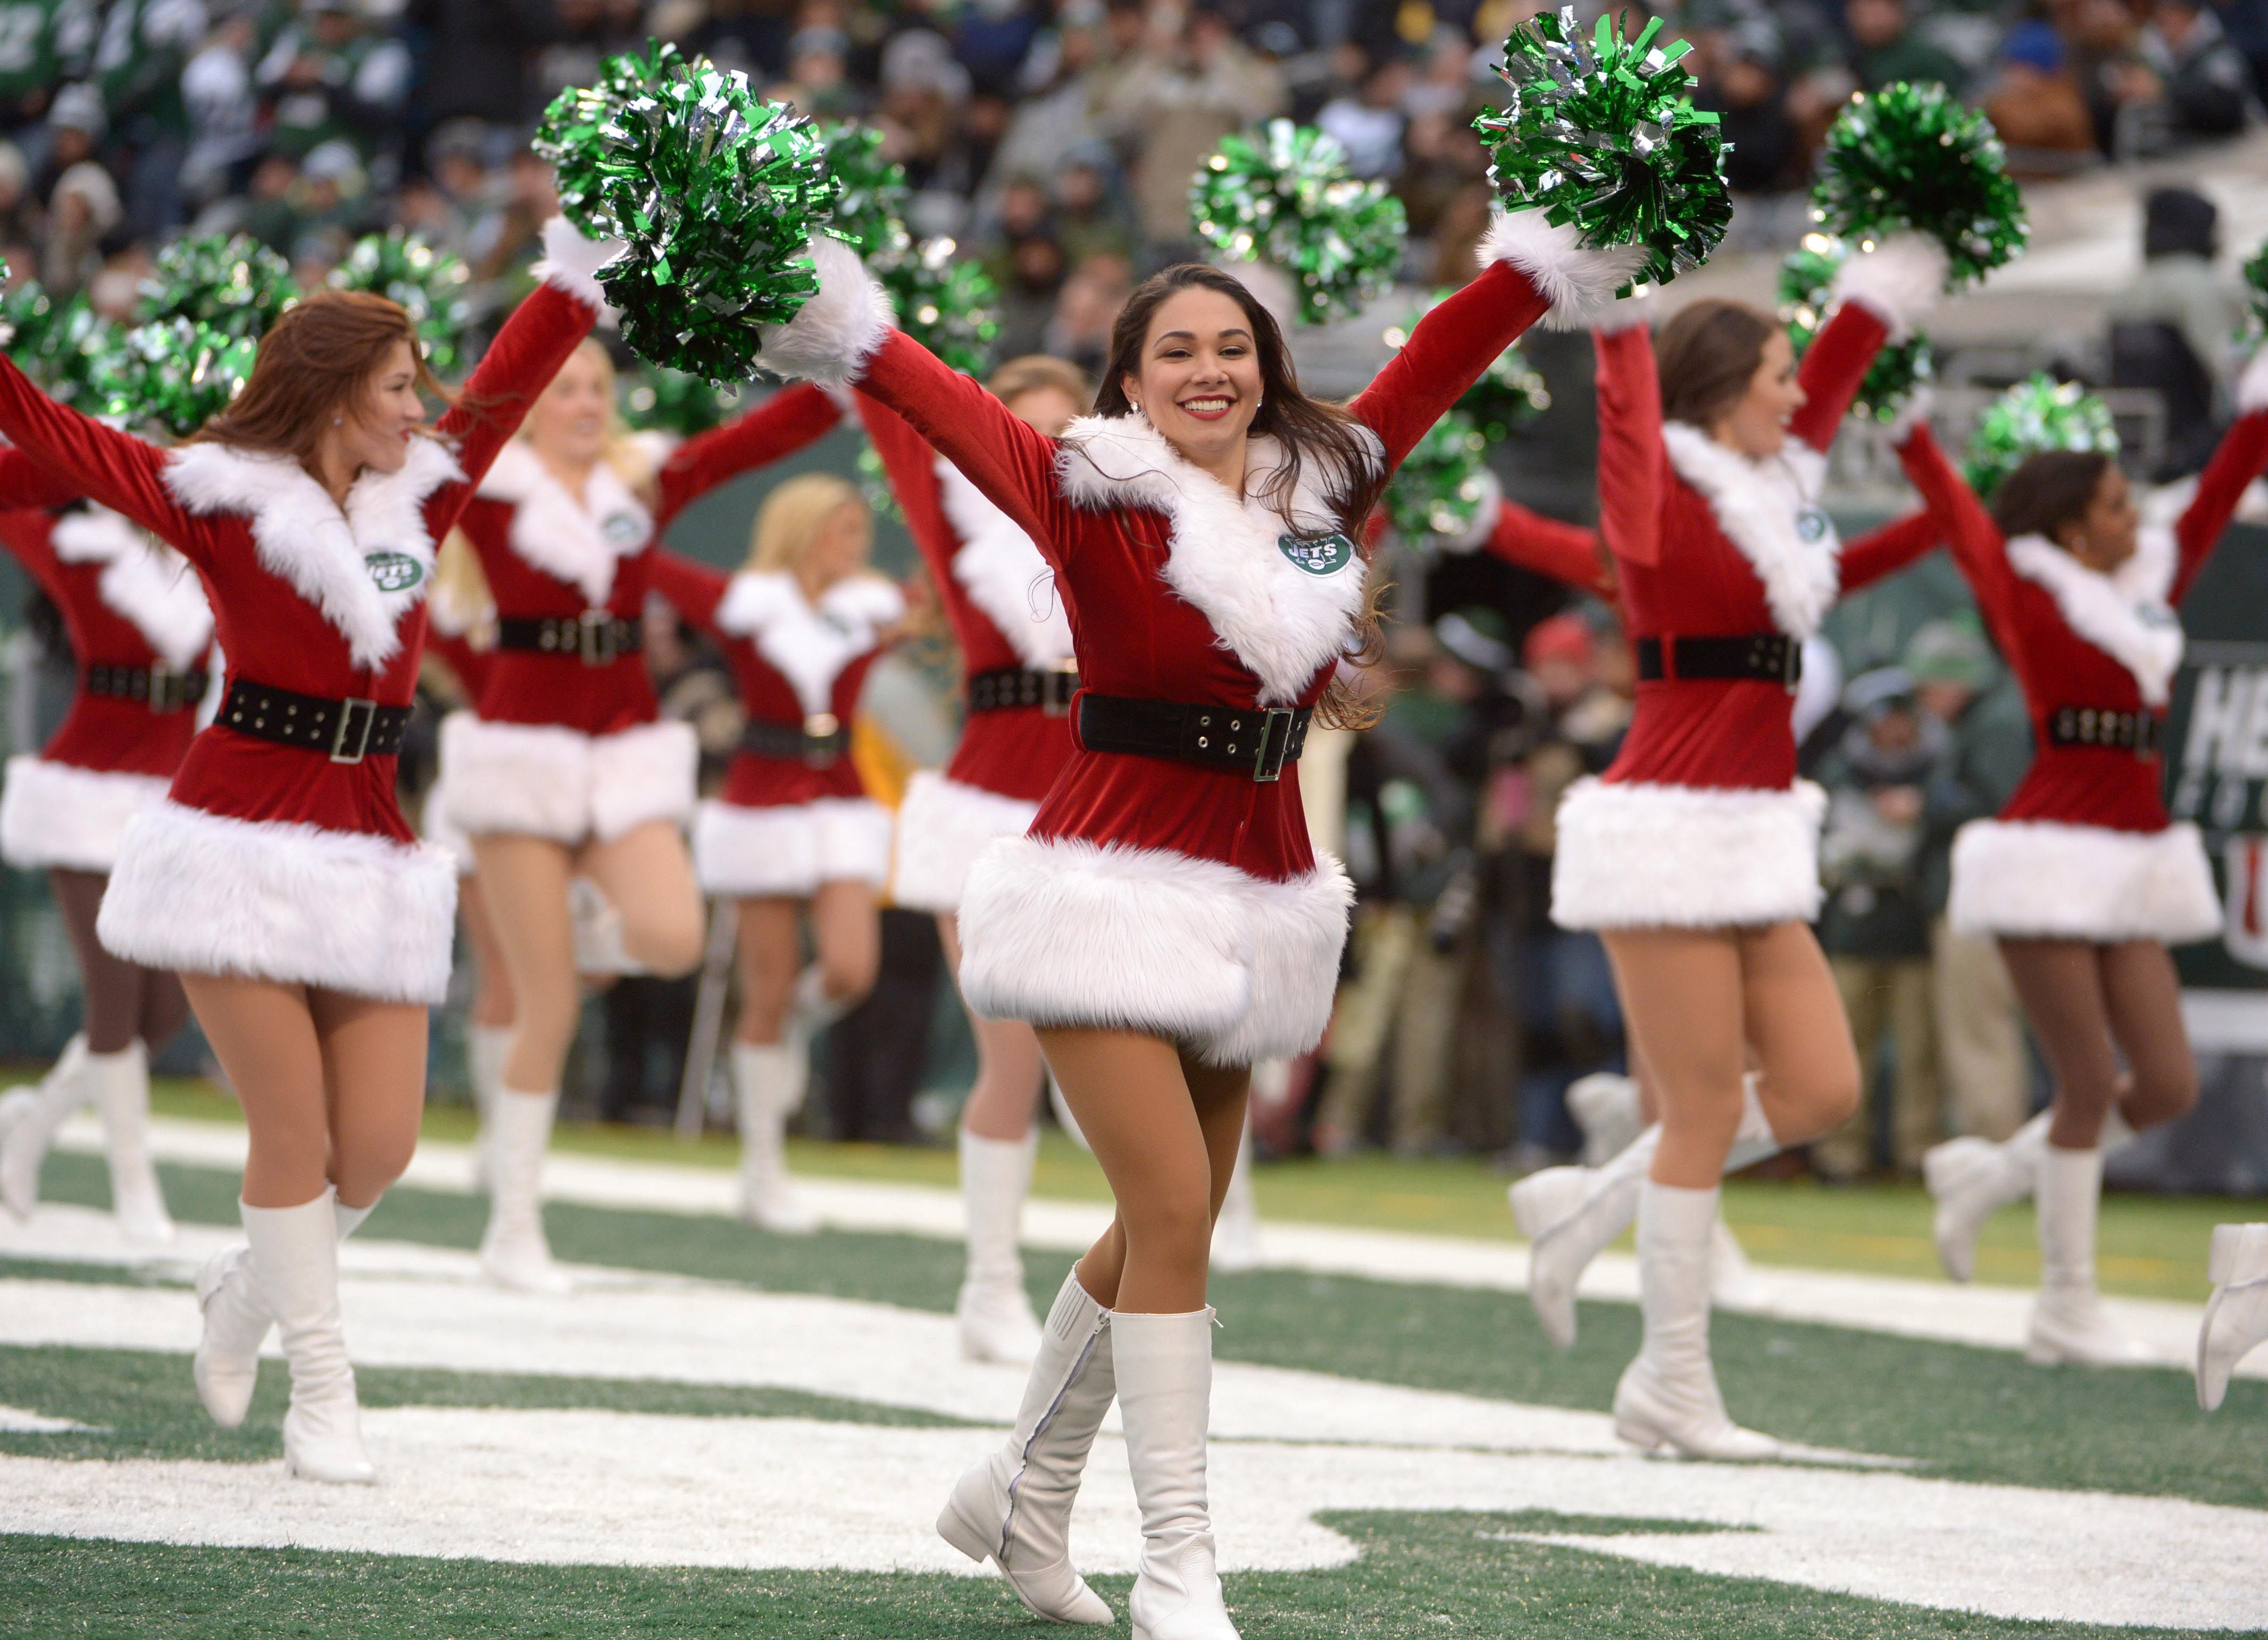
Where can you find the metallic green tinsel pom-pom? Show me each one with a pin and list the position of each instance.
(2037, 414)
(573, 135)
(1806, 279)
(2256, 285)
(235, 286)
(1602, 135)
(950, 307)
(869, 212)
(171, 375)
(671, 401)
(1509, 394)
(428, 283)
(1915, 157)
(57, 344)
(1285, 197)
(1440, 485)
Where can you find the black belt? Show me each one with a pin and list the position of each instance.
(1763, 657)
(595, 637)
(820, 740)
(159, 688)
(346, 732)
(1005, 688)
(1255, 741)
(2142, 733)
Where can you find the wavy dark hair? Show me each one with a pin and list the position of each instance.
(1307, 430)
(1706, 356)
(2050, 490)
(314, 363)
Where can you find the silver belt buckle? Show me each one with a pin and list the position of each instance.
(595, 641)
(1265, 769)
(343, 733)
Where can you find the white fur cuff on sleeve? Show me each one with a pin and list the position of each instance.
(1579, 283)
(572, 263)
(832, 335)
(1900, 279)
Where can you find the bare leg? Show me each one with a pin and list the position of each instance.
(2060, 982)
(769, 955)
(647, 877)
(1682, 992)
(374, 1079)
(2144, 997)
(122, 997)
(492, 997)
(846, 927)
(524, 881)
(1009, 1069)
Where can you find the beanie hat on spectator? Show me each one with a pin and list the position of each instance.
(90, 183)
(78, 108)
(1871, 694)
(2035, 45)
(1942, 652)
(1561, 638)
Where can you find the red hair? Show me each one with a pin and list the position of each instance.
(315, 364)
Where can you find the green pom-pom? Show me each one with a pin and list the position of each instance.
(1285, 198)
(69, 349)
(1440, 487)
(1915, 157)
(1509, 394)
(950, 307)
(870, 210)
(670, 400)
(1806, 279)
(235, 286)
(2256, 285)
(1602, 135)
(2037, 414)
(874, 484)
(172, 375)
(578, 135)
(430, 285)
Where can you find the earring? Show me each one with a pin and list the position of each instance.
(338, 421)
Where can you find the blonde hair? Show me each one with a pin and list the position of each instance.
(460, 590)
(793, 515)
(1035, 371)
(631, 462)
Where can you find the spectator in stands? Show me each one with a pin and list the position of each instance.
(2204, 90)
(1885, 48)
(2035, 105)
(480, 63)
(1369, 124)
(1748, 96)
(1087, 309)
(2174, 329)
(222, 105)
(20, 216)
(1090, 215)
(1182, 92)
(329, 78)
(84, 209)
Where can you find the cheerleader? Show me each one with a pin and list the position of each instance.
(2082, 879)
(1019, 676)
(310, 927)
(563, 771)
(793, 833)
(140, 632)
(1695, 856)
(1164, 924)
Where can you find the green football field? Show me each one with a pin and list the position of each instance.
(732, 1433)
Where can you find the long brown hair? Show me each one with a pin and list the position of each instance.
(316, 363)
(2050, 490)
(1307, 430)
(1706, 356)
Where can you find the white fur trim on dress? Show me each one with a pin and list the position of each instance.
(834, 332)
(2122, 613)
(943, 826)
(275, 899)
(1635, 854)
(59, 814)
(305, 539)
(1769, 512)
(1899, 281)
(571, 263)
(579, 542)
(1578, 282)
(1283, 622)
(2048, 880)
(1065, 933)
(1003, 572)
(790, 849)
(2252, 386)
(544, 780)
(143, 582)
(809, 645)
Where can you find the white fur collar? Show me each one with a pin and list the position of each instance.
(303, 537)
(1284, 623)
(2123, 614)
(809, 645)
(576, 541)
(1769, 511)
(143, 582)
(1003, 573)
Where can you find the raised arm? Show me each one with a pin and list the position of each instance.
(774, 429)
(693, 590)
(25, 484)
(1630, 457)
(1567, 552)
(117, 469)
(2236, 461)
(911, 466)
(1890, 548)
(1977, 544)
(1878, 297)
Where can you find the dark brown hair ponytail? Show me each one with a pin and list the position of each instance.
(1706, 356)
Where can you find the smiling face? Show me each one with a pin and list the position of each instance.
(838, 547)
(567, 424)
(1199, 381)
(375, 433)
(2103, 536)
(1756, 426)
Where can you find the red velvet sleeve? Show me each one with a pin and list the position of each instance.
(457, 650)
(693, 590)
(25, 483)
(26, 535)
(1968, 528)
(774, 429)
(1629, 444)
(1010, 461)
(547, 327)
(1834, 366)
(1567, 552)
(117, 469)
(2236, 461)
(911, 465)
(1446, 354)
(1886, 550)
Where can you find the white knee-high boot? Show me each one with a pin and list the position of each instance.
(2236, 1319)
(487, 1046)
(1236, 1232)
(1570, 1215)
(295, 1270)
(120, 1085)
(514, 1251)
(997, 1323)
(29, 1117)
(1668, 1399)
(2068, 1326)
(1014, 1508)
(226, 1365)
(1165, 1394)
(1972, 1179)
(770, 1078)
